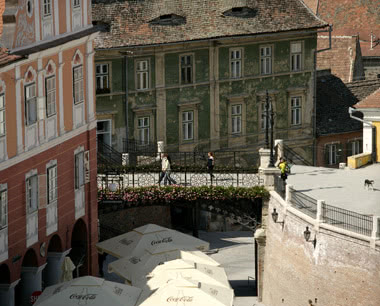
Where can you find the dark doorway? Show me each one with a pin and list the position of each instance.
(79, 254)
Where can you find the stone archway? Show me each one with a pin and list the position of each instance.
(51, 275)
(30, 280)
(79, 248)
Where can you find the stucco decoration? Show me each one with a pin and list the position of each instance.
(25, 33)
(50, 68)
(77, 58)
(30, 75)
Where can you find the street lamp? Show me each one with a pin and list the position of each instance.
(307, 235)
(269, 119)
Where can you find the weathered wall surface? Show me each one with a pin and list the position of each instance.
(340, 271)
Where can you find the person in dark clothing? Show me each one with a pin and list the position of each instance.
(210, 164)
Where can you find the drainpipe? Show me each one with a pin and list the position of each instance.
(314, 119)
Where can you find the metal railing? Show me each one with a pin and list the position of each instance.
(295, 158)
(138, 146)
(108, 155)
(280, 186)
(346, 219)
(303, 203)
(119, 181)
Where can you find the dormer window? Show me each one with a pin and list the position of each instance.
(241, 12)
(168, 19)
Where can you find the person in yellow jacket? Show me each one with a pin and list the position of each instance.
(284, 167)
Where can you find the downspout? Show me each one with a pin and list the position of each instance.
(314, 119)
(126, 103)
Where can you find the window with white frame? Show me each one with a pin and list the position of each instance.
(332, 153)
(188, 125)
(266, 60)
(76, 3)
(236, 62)
(102, 78)
(143, 129)
(32, 194)
(3, 208)
(52, 186)
(30, 104)
(236, 118)
(2, 115)
(186, 69)
(47, 8)
(142, 74)
(50, 96)
(296, 110)
(296, 56)
(79, 170)
(78, 84)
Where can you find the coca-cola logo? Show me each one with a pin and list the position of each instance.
(163, 240)
(185, 298)
(88, 296)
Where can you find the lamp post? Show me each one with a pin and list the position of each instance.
(269, 119)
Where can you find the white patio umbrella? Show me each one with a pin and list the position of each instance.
(150, 237)
(135, 268)
(183, 292)
(89, 290)
(179, 268)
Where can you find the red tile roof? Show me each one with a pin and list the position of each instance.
(349, 18)
(372, 101)
(6, 58)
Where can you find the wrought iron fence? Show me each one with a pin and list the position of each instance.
(303, 203)
(349, 220)
(280, 186)
(119, 181)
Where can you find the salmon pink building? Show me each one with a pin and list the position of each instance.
(48, 198)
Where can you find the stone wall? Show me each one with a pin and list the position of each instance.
(343, 269)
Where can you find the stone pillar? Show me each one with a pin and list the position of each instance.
(279, 146)
(53, 270)
(267, 173)
(31, 278)
(260, 237)
(7, 294)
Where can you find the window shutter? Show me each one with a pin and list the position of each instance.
(87, 166)
(34, 182)
(3, 207)
(349, 149)
(326, 153)
(42, 191)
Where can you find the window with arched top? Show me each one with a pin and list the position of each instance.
(78, 83)
(50, 89)
(30, 96)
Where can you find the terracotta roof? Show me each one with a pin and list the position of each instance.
(134, 22)
(6, 58)
(372, 101)
(362, 89)
(350, 17)
(342, 59)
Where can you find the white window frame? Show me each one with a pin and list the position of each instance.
(79, 171)
(103, 77)
(332, 150)
(47, 8)
(266, 58)
(143, 129)
(3, 208)
(78, 84)
(2, 115)
(50, 94)
(29, 101)
(52, 184)
(142, 74)
(187, 125)
(236, 118)
(295, 110)
(77, 3)
(236, 63)
(31, 184)
(187, 67)
(296, 62)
